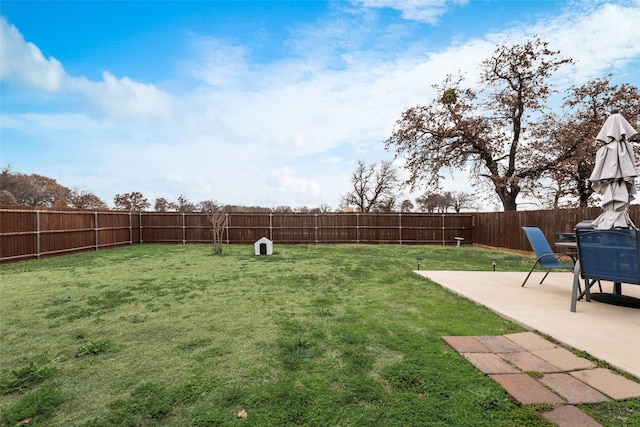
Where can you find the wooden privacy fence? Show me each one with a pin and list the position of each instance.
(35, 233)
(400, 228)
(504, 229)
(38, 233)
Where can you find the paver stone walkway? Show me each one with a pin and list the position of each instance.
(534, 370)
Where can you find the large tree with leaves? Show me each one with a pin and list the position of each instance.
(486, 131)
(31, 190)
(570, 139)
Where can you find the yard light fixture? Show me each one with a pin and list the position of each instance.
(493, 263)
(418, 260)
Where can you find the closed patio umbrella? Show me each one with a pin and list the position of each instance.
(614, 173)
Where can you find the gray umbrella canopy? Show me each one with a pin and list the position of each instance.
(614, 173)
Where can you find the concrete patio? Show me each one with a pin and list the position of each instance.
(607, 332)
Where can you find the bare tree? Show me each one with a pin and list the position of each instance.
(374, 186)
(570, 139)
(184, 204)
(133, 201)
(208, 206)
(488, 134)
(163, 205)
(324, 208)
(217, 216)
(406, 206)
(81, 199)
(282, 209)
(460, 200)
(433, 202)
(387, 205)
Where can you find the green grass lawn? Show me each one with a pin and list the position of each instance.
(327, 335)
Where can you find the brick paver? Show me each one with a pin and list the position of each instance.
(613, 385)
(572, 389)
(500, 344)
(570, 416)
(490, 363)
(564, 359)
(530, 341)
(466, 344)
(525, 389)
(526, 361)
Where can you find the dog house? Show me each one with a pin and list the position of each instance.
(263, 246)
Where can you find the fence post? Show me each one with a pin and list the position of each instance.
(316, 228)
(140, 218)
(95, 229)
(443, 231)
(184, 228)
(226, 225)
(400, 226)
(270, 226)
(130, 230)
(37, 234)
(357, 229)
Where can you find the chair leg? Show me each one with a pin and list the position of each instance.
(588, 283)
(576, 287)
(530, 271)
(545, 276)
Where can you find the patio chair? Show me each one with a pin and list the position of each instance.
(611, 255)
(544, 255)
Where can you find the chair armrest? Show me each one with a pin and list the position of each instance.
(558, 256)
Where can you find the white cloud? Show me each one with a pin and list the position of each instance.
(416, 10)
(123, 98)
(601, 38)
(216, 62)
(284, 180)
(24, 63)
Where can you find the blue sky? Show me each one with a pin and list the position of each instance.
(258, 103)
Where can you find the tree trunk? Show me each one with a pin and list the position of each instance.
(507, 193)
(509, 204)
